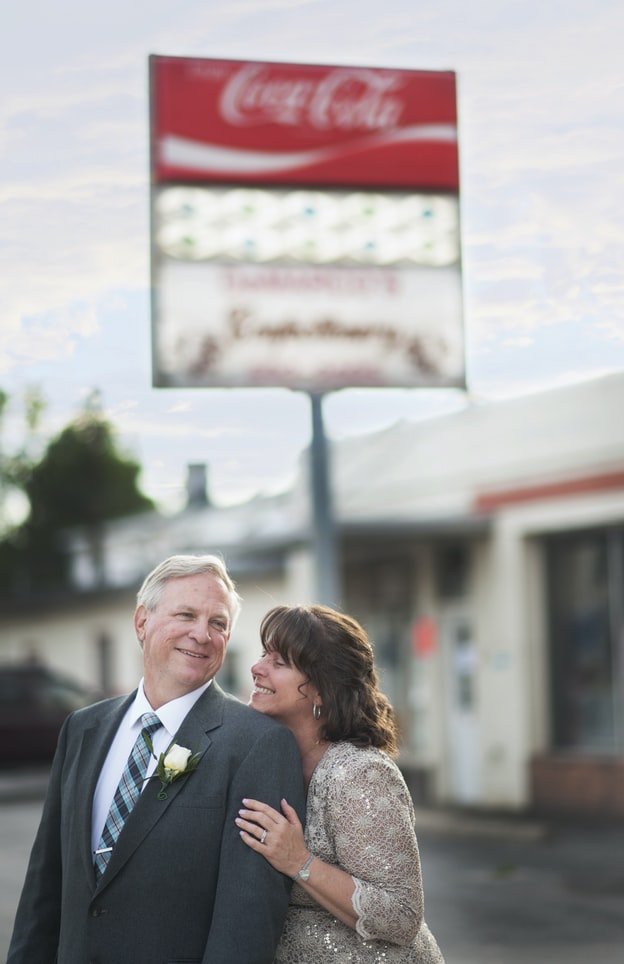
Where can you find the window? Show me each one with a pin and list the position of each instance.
(586, 595)
(379, 593)
(452, 569)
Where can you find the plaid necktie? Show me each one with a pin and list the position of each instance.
(127, 793)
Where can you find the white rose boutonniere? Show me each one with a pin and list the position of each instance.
(178, 761)
(177, 758)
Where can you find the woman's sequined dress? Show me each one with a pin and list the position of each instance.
(360, 817)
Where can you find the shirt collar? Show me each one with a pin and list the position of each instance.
(170, 714)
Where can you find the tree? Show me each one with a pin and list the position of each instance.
(82, 480)
(16, 463)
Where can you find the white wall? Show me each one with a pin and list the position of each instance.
(259, 594)
(504, 673)
(68, 641)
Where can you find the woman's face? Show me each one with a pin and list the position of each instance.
(281, 691)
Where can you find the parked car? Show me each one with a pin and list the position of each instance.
(34, 701)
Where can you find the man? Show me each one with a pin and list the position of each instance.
(166, 878)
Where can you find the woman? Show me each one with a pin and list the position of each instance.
(358, 893)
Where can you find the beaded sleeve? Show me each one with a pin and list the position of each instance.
(371, 819)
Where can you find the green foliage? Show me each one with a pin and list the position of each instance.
(82, 479)
(14, 466)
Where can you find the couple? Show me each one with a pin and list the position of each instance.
(201, 869)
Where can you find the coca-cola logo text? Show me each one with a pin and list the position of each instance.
(344, 99)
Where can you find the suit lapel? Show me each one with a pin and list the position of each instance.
(206, 715)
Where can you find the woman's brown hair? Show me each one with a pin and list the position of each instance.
(335, 654)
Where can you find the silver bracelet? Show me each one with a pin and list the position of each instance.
(304, 873)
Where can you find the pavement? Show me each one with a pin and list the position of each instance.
(500, 888)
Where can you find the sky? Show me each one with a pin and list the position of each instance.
(541, 128)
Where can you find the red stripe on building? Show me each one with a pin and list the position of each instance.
(490, 501)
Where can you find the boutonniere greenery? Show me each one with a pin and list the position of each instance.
(178, 761)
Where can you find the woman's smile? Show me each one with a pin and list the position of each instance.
(259, 688)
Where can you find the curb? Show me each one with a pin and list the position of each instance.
(31, 785)
(480, 825)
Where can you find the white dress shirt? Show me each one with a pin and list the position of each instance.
(171, 715)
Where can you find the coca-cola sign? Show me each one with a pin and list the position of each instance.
(343, 99)
(218, 120)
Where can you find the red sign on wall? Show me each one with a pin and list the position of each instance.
(424, 636)
(251, 122)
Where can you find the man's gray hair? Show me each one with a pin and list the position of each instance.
(176, 567)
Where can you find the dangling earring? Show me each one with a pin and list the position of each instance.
(316, 711)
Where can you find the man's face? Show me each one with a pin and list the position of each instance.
(184, 637)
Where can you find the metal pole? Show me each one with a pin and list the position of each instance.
(323, 524)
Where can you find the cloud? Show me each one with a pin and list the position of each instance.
(47, 336)
(542, 161)
(612, 330)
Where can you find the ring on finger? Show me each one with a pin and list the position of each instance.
(264, 836)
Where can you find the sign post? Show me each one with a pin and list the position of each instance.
(328, 585)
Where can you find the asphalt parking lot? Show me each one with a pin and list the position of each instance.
(497, 890)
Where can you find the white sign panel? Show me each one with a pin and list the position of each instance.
(307, 289)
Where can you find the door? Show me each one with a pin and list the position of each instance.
(460, 670)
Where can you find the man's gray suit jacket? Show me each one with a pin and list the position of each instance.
(181, 886)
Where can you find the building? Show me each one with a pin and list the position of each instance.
(483, 551)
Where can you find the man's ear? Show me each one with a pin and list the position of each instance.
(140, 618)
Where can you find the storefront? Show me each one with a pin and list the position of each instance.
(583, 769)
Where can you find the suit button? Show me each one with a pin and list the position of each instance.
(97, 912)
